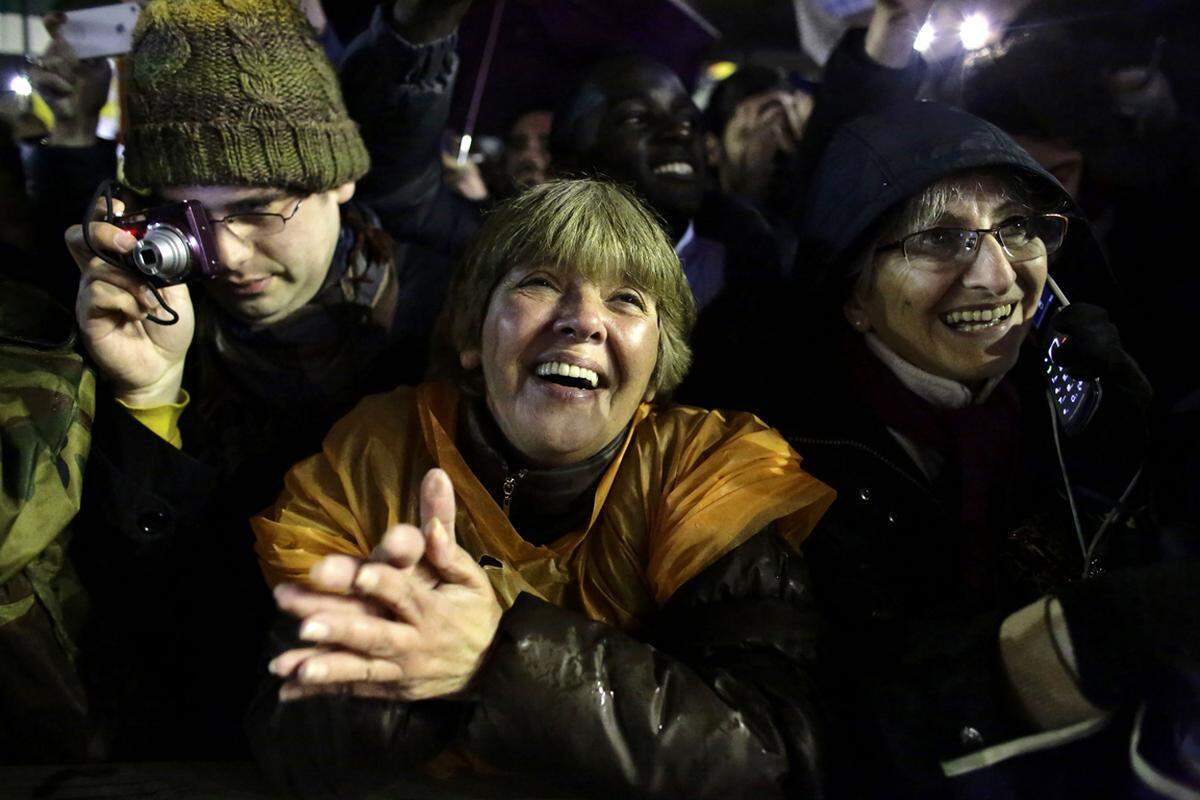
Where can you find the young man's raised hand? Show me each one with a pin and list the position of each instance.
(142, 359)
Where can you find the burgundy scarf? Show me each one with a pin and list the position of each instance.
(980, 445)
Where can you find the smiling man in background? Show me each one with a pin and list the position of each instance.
(632, 119)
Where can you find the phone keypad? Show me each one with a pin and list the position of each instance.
(1067, 389)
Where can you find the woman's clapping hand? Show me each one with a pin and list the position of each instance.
(413, 622)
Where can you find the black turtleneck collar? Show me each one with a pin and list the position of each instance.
(543, 504)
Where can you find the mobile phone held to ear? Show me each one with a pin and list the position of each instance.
(100, 31)
(1075, 399)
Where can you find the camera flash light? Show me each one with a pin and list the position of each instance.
(925, 37)
(20, 85)
(974, 32)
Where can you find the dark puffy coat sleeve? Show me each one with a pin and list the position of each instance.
(714, 700)
(340, 746)
(851, 85)
(399, 94)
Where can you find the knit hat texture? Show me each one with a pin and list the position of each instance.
(235, 93)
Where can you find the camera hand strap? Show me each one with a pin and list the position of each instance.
(105, 190)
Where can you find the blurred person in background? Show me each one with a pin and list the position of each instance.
(1103, 96)
(523, 162)
(63, 169)
(526, 159)
(398, 83)
(869, 69)
(754, 121)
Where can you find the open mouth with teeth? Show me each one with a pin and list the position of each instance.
(568, 375)
(675, 169)
(976, 319)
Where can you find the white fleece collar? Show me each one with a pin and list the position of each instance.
(934, 389)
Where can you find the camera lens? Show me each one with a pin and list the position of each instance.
(163, 253)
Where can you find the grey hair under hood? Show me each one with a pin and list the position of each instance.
(876, 162)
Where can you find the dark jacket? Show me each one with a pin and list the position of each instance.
(912, 664)
(734, 232)
(168, 524)
(180, 609)
(399, 94)
(713, 700)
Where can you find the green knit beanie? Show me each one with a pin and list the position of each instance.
(235, 93)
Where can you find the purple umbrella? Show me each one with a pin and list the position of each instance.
(540, 48)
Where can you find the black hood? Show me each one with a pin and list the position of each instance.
(875, 162)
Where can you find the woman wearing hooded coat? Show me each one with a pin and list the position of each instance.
(966, 655)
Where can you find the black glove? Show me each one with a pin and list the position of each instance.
(1126, 623)
(1093, 350)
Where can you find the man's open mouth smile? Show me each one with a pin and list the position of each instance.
(675, 169)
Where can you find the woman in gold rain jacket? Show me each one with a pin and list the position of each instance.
(604, 590)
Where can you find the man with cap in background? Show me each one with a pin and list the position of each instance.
(233, 104)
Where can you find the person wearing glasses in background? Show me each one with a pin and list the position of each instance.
(966, 655)
(233, 105)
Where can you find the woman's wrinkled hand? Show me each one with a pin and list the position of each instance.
(412, 623)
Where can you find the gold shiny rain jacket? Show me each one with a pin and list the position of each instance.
(686, 487)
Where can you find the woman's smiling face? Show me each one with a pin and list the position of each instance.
(566, 361)
(966, 322)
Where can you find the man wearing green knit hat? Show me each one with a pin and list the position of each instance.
(235, 105)
(318, 300)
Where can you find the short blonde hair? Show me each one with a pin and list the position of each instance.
(590, 227)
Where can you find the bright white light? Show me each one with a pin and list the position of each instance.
(464, 148)
(925, 37)
(20, 85)
(974, 32)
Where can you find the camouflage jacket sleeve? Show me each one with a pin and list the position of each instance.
(47, 398)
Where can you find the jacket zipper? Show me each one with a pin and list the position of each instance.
(882, 459)
(510, 486)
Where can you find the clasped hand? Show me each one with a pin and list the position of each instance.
(413, 622)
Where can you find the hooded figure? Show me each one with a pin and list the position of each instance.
(966, 653)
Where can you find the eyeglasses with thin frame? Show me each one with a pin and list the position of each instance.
(1022, 238)
(257, 224)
